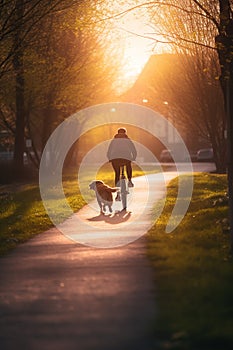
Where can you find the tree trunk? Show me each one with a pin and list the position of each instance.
(19, 92)
(229, 110)
(20, 112)
(224, 43)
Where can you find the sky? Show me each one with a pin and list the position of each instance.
(127, 36)
(137, 49)
(131, 34)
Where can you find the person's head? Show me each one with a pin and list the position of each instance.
(122, 131)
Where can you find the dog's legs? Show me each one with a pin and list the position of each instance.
(100, 205)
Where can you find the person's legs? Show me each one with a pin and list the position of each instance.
(116, 167)
(129, 173)
(129, 170)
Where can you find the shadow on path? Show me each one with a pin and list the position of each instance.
(116, 218)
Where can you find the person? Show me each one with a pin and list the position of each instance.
(122, 151)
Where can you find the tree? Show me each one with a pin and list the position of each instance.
(18, 21)
(55, 48)
(216, 23)
(23, 16)
(18, 67)
(15, 22)
(184, 88)
(217, 19)
(224, 42)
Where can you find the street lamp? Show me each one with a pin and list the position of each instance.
(173, 138)
(167, 131)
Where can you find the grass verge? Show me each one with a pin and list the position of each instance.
(193, 271)
(23, 214)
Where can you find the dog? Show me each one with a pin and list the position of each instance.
(103, 195)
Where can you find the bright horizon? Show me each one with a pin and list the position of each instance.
(137, 49)
(130, 34)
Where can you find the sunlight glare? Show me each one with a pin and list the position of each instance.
(127, 35)
(131, 38)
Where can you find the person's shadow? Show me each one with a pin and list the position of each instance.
(114, 218)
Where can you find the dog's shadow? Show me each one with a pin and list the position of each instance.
(114, 218)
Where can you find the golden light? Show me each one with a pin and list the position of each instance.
(136, 55)
(137, 51)
(131, 39)
(127, 39)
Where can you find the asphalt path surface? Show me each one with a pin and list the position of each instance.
(59, 295)
(56, 293)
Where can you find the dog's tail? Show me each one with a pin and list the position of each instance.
(111, 189)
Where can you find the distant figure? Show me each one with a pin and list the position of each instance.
(122, 151)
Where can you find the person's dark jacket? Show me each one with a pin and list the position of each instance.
(121, 147)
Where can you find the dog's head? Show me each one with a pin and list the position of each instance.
(95, 184)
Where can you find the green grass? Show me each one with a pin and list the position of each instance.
(193, 271)
(22, 214)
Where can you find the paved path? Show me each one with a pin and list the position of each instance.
(58, 294)
(114, 230)
(63, 296)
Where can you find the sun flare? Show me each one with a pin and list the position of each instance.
(132, 40)
(137, 51)
(136, 55)
(127, 35)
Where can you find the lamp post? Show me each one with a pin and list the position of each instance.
(167, 115)
(170, 118)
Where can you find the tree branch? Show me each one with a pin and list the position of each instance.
(163, 3)
(207, 13)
